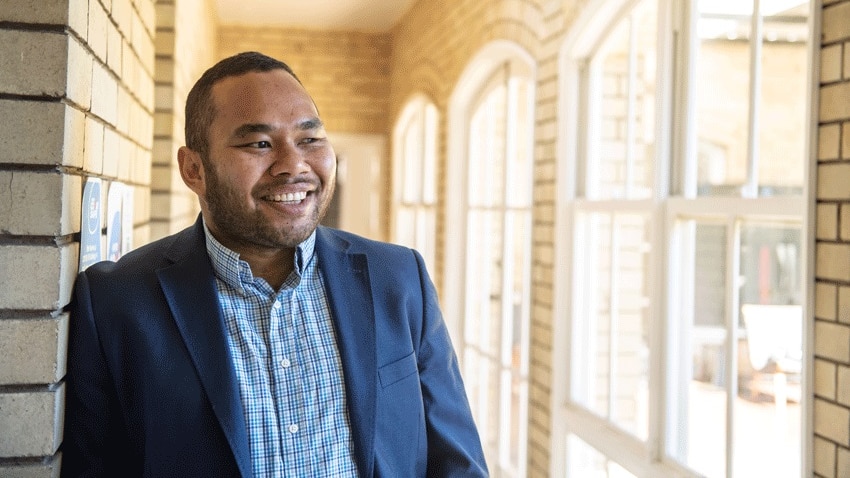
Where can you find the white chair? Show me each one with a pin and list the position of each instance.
(774, 336)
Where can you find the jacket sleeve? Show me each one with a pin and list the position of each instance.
(454, 447)
(91, 427)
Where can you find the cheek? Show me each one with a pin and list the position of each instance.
(326, 169)
(242, 175)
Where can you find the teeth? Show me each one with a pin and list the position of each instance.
(288, 197)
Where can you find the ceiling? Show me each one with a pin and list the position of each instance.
(358, 15)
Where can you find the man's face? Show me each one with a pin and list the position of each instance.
(270, 172)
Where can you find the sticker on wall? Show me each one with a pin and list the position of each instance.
(114, 218)
(127, 219)
(90, 224)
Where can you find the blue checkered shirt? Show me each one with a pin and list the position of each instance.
(283, 347)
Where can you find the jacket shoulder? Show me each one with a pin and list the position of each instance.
(149, 257)
(354, 243)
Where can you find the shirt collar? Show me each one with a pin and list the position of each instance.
(236, 273)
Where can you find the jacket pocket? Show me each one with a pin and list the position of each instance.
(395, 371)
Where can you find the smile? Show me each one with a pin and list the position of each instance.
(290, 198)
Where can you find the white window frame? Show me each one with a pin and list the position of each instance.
(416, 112)
(648, 459)
(479, 70)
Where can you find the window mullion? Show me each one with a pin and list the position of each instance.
(613, 316)
(733, 282)
(631, 109)
(684, 140)
(752, 184)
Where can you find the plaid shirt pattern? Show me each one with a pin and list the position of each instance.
(283, 346)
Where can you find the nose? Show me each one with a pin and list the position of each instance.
(288, 160)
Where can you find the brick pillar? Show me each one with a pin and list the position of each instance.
(183, 52)
(832, 274)
(76, 95)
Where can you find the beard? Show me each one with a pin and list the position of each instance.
(248, 226)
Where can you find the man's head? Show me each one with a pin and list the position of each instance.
(200, 109)
(257, 154)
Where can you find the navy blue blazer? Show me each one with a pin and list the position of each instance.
(151, 389)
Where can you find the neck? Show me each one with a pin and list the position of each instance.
(272, 265)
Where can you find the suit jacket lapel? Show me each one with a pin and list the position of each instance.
(346, 280)
(189, 288)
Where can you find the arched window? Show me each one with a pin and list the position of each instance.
(493, 114)
(415, 190)
(683, 297)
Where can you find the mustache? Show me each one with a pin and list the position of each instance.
(288, 181)
(278, 183)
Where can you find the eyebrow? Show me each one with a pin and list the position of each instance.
(249, 128)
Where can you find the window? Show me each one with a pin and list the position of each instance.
(415, 191)
(493, 113)
(685, 295)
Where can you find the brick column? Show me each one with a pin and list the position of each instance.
(76, 96)
(183, 52)
(832, 282)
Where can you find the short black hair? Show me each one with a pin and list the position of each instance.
(200, 109)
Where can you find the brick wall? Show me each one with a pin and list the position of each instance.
(76, 97)
(432, 46)
(832, 268)
(182, 55)
(347, 73)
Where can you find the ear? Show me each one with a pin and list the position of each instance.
(192, 170)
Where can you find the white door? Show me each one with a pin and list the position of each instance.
(359, 183)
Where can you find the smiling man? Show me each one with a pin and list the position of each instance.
(257, 343)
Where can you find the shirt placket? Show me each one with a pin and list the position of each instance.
(287, 386)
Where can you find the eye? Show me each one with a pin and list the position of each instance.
(311, 140)
(258, 144)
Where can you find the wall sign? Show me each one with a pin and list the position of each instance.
(90, 224)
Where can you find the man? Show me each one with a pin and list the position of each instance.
(256, 343)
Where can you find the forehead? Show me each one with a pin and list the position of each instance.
(261, 96)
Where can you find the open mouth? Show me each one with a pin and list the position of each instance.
(288, 198)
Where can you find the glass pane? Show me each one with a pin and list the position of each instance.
(782, 112)
(722, 94)
(487, 148)
(767, 419)
(615, 288)
(520, 165)
(519, 249)
(706, 437)
(481, 379)
(484, 290)
(429, 159)
(412, 161)
(766, 430)
(584, 461)
(698, 383)
(405, 227)
(514, 345)
(625, 147)
(483, 318)
(426, 241)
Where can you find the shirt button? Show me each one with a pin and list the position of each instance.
(285, 363)
(276, 304)
(293, 428)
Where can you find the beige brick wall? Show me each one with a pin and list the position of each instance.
(182, 55)
(76, 95)
(347, 73)
(832, 279)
